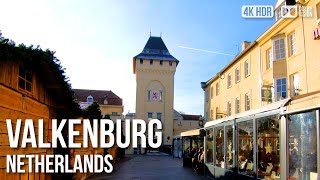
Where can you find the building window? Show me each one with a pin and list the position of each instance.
(114, 114)
(90, 99)
(292, 43)
(141, 61)
(247, 68)
(247, 103)
(211, 92)
(245, 147)
(25, 79)
(219, 134)
(207, 95)
(160, 95)
(151, 62)
(161, 63)
(268, 143)
(281, 89)
(149, 95)
(149, 115)
(170, 63)
(295, 85)
(230, 147)
(318, 11)
(159, 116)
(229, 80)
(269, 58)
(209, 142)
(279, 49)
(302, 145)
(237, 75)
(229, 108)
(237, 105)
(217, 89)
(211, 114)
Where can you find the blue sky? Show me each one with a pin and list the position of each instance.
(96, 40)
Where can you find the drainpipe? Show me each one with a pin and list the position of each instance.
(260, 75)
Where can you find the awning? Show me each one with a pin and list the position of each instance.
(194, 132)
(266, 108)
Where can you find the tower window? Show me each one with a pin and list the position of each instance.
(151, 61)
(149, 95)
(141, 61)
(159, 116)
(161, 63)
(170, 63)
(160, 96)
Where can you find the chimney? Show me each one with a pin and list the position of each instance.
(245, 44)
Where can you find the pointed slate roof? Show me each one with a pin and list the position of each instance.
(156, 49)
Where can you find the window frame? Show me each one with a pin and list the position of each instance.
(217, 88)
(229, 80)
(292, 44)
(269, 58)
(207, 95)
(159, 113)
(237, 105)
(295, 90)
(229, 108)
(318, 11)
(274, 50)
(237, 74)
(247, 69)
(25, 79)
(211, 92)
(247, 99)
(148, 95)
(276, 88)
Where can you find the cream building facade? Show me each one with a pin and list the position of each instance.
(283, 62)
(267, 101)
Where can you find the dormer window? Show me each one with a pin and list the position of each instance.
(105, 101)
(90, 99)
(278, 6)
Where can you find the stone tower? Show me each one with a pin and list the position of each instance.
(154, 68)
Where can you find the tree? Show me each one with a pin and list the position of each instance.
(92, 112)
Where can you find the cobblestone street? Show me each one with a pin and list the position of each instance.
(150, 167)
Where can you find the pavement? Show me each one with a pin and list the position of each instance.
(153, 166)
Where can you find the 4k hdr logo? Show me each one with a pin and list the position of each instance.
(266, 11)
